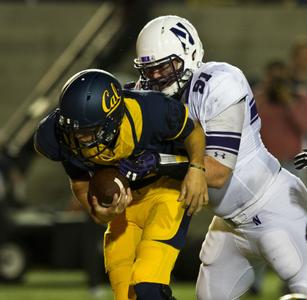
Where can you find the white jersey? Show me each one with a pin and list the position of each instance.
(263, 206)
(221, 99)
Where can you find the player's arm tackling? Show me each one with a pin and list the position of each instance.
(194, 189)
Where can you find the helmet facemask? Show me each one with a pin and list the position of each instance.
(166, 75)
(102, 137)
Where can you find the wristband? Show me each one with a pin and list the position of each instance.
(197, 167)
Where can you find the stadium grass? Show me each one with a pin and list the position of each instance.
(71, 285)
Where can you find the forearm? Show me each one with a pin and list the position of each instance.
(217, 174)
(79, 190)
(176, 167)
(195, 145)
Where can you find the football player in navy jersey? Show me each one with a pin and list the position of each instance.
(97, 124)
(260, 208)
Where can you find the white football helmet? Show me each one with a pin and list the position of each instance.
(168, 52)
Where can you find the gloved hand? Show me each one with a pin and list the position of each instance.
(135, 169)
(300, 160)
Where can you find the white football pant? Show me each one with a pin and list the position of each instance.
(274, 234)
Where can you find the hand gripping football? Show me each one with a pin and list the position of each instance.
(104, 184)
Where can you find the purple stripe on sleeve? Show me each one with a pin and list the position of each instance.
(224, 141)
(255, 119)
(226, 133)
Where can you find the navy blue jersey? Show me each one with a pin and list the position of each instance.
(151, 122)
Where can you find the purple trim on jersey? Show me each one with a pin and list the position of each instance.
(252, 101)
(184, 98)
(223, 133)
(255, 119)
(211, 148)
(228, 142)
(253, 111)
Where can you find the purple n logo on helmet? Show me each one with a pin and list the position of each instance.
(183, 35)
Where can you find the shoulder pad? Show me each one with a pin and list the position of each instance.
(226, 87)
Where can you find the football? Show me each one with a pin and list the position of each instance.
(104, 184)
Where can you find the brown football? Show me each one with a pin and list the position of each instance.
(105, 183)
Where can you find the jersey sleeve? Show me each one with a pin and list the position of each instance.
(168, 118)
(177, 124)
(222, 90)
(73, 171)
(230, 89)
(45, 140)
(47, 144)
(223, 135)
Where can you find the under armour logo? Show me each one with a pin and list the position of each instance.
(221, 154)
(256, 220)
(183, 35)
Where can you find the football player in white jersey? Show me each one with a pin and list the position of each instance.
(260, 208)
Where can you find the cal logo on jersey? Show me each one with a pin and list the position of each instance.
(183, 34)
(110, 100)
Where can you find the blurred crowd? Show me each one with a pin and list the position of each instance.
(281, 97)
